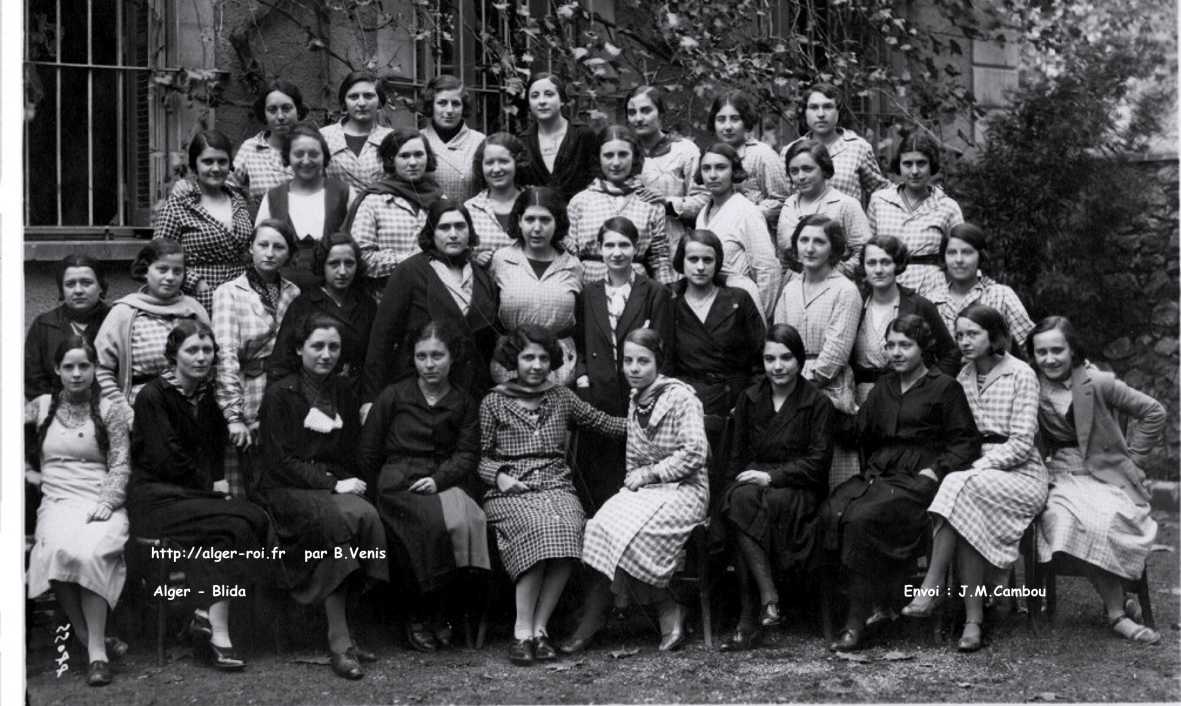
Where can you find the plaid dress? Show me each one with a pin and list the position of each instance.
(922, 230)
(854, 164)
(766, 183)
(358, 171)
(492, 235)
(545, 522)
(838, 206)
(748, 255)
(212, 253)
(455, 160)
(989, 292)
(386, 228)
(592, 206)
(670, 169)
(643, 532)
(993, 502)
(258, 167)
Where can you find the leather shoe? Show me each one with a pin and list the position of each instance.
(770, 615)
(881, 616)
(520, 652)
(360, 654)
(970, 643)
(226, 659)
(915, 609)
(674, 640)
(849, 641)
(99, 673)
(116, 648)
(744, 638)
(543, 649)
(420, 638)
(346, 666)
(576, 644)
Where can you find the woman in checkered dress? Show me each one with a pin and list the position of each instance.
(1098, 511)
(259, 165)
(211, 222)
(618, 191)
(981, 513)
(916, 211)
(524, 425)
(247, 313)
(499, 169)
(354, 140)
(637, 539)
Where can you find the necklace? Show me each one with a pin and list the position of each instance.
(72, 415)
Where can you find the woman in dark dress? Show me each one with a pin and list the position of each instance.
(336, 261)
(605, 313)
(562, 154)
(177, 490)
(309, 429)
(439, 284)
(778, 468)
(81, 287)
(915, 428)
(419, 448)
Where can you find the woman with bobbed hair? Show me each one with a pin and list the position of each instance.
(212, 222)
(177, 489)
(917, 212)
(438, 284)
(447, 104)
(81, 287)
(964, 255)
(732, 118)
(981, 512)
(524, 425)
(618, 191)
(130, 342)
(562, 153)
(354, 142)
(259, 165)
(388, 216)
(498, 168)
(1098, 513)
(915, 429)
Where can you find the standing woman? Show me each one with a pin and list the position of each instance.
(810, 169)
(964, 254)
(498, 167)
(636, 541)
(211, 222)
(130, 342)
(883, 259)
(915, 428)
(81, 523)
(339, 297)
(447, 104)
(81, 286)
(177, 489)
(309, 429)
(732, 117)
(916, 211)
(312, 204)
(562, 153)
(750, 261)
(618, 191)
(981, 513)
(670, 163)
(824, 306)
(353, 142)
(387, 217)
(438, 284)
(419, 450)
(247, 312)
(524, 424)
(778, 471)
(260, 165)
(607, 312)
(539, 281)
(1098, 511)
(855, 164)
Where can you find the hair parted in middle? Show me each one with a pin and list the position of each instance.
(541, 197)
(434, 214)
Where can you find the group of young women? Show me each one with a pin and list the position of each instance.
(424, 335)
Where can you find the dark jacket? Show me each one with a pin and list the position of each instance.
(946, 353)
(793, 445)
(355, 319)
(600, 353)
(414, 295)
(295, 457)
(575, 167)
(48, 331)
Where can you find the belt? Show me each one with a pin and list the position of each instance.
(993, 439)
(864, 375)
(925, 260)
(142, 379)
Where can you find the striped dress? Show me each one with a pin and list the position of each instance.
(644, 532)
(993, 502)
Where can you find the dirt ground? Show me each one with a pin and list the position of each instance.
(1075, 658)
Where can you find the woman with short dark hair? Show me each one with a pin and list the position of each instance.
(447, 104)
(81, 286)
(354, 142)
(732, 118)
(259, 165)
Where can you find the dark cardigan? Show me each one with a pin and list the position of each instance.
(947, 354)
(48, 331)
(575, 167)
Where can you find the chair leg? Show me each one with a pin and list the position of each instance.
(161, 628)
(1145, 596)
(827, 608)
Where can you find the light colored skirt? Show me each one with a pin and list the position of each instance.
(72, 550)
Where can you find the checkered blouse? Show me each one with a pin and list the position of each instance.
(592, 206)
(358, 171)
(854, 164)
(922, 230)
(258, 167)
(455, 159)
(212, 253)
(386, 227)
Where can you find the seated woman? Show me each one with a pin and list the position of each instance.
(524, 424)
(981, 513)
(778, 467)
(81, 524)
(177, 490)
(915, 428)
(1097, 513)
(637, 539)
(309, 427)
(81, 286)
(419, 448)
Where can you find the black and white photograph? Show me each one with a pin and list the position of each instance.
(590, 351)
